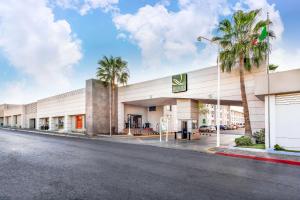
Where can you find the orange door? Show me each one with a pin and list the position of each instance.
(78, 122)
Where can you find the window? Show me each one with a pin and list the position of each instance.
(152, 108)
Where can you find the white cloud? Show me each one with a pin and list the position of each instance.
(286, 58)
(167, 37)
(106, 5)
(36, 44)
(84, 6)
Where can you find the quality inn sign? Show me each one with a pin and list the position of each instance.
(179, 83)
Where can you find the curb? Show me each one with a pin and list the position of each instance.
(70, 135)
(271, 160)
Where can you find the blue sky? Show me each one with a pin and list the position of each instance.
(52, 46)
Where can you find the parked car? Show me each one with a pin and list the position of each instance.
(233, 127)
(226, 127)
(222, 127)
(212, 129)
(241, 125)
(205, 128)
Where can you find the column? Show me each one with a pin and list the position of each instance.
(23, 121)
(189, 125)
(52, 124)
(37, 124)
(67, 124)
(4, 121)
(121, 117)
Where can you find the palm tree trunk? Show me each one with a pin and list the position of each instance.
(248, 130)
(109, 94)
(113, 107)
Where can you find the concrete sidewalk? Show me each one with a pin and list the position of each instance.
(258, 153)
(205, 142)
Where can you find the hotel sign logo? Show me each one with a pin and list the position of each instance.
(179, 83)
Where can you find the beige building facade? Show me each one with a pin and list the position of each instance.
(142, 106)
(82, 111)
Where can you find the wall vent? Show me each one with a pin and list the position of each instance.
(286, 99)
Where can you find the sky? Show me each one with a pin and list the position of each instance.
(49, 47)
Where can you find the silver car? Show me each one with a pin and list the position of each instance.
(205, 128)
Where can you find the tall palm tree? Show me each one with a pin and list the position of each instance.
(112, 71)
(238, 48)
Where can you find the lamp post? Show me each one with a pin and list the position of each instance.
(200, 38)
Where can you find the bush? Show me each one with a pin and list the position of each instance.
(259, 136)
(277, 147)
(243, 141)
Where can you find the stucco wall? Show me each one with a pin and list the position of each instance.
(97, 108)
(70, 103)
(1, 110)
(280, 82)
(154, 117)
(137, 110)
(30, 113)
(10, 113)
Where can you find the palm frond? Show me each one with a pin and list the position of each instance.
(112, 70)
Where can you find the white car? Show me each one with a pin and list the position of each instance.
(205, 128)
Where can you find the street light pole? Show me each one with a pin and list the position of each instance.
(218, 88)
(218, 100)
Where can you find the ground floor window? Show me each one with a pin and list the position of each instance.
(60, 122)
(135, 121)
(44, 124)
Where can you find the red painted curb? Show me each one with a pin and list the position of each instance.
(272, 160)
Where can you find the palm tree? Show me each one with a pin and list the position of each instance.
(112, 71)
(239, 49)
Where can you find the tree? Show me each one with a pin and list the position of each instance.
(239, 47)
(112, 71)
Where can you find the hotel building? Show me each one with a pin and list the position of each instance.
(142, 105)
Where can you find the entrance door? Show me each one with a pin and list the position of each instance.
(32, 123)
(135, 121)
(184, 129)
(79, 123)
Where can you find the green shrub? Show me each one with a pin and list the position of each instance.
(243, 141)
(259, 136)
(277, 147)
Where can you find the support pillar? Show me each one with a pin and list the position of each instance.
(52, 125)
(67, 124)
(37, 124)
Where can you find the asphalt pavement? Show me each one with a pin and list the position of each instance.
(34, 166)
